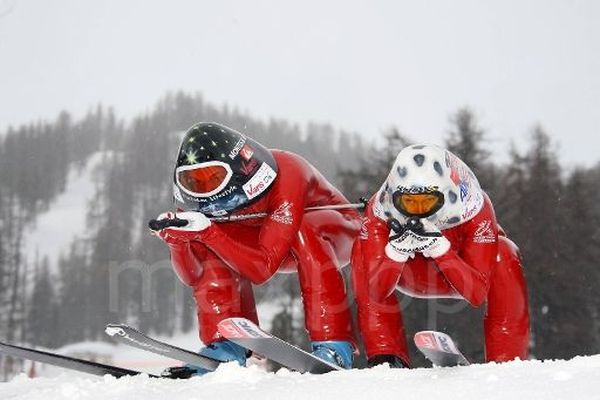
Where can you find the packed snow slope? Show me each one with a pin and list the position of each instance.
(575, 379)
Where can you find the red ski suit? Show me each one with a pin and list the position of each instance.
(229, 257)
(482, 265)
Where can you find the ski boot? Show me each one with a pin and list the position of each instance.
(335, 352)
(224, 351)
(390, 359)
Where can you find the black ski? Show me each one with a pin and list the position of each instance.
(132, 337)
(440, 349)
(247, 334)
(58, 360)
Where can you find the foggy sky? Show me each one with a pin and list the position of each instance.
(361, 65)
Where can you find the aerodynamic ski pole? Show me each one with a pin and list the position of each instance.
(157, 225)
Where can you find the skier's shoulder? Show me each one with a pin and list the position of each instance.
(374, 215)
(287, 160)
(296, 170)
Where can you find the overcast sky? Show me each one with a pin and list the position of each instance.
(361, 65)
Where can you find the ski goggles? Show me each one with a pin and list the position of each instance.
(204, 179)
(418, 204)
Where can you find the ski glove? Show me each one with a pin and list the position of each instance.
(400, 248)
(197, 222)
(430, 241)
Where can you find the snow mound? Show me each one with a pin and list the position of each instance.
(577, 378)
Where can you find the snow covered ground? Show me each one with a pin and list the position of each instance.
(132, 358)
(575, 379)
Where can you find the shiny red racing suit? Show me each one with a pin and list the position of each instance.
(482, 266)
(229, 257)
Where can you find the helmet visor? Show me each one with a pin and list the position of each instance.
(205, 179)
(418, 204)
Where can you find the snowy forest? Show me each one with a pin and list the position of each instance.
(116, 271)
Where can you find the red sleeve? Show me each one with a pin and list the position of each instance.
(469, 269)
(185, 263)
(383, 273)
(277, 233)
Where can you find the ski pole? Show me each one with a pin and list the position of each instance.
(157, 225)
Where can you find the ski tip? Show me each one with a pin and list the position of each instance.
(114, 330)
(240, 328)
(435, 341)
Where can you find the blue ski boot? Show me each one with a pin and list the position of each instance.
(224, 351)
(336, 352)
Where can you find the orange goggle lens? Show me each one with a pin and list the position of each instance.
(420, 204)
(203, 179)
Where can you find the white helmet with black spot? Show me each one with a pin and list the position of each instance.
(424, 168)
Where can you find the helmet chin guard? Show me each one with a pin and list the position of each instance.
(424, 170)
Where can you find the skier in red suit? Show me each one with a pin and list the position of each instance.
(221, 172)
(459, 252)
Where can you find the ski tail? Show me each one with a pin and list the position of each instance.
(71, 363)
(247, 334)
(439, 348)
(132, 337)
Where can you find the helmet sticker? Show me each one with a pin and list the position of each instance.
(260, 181)
(238, 146)
(246, 152)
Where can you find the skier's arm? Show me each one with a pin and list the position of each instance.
(469, 269)
(185, 263)
(383, 273)
(259, 263)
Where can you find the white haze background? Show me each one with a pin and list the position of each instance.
(361, 65)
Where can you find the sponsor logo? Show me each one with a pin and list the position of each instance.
(474, 203)
(283, 214)
(459, 172)
(426, 340)
(417, 189)
(484, 233)
(422, 243)
(246, 152)
(444, 344)
(224, 193)
(469, 212)
(219, 213)
(212, 198)
(238, 146)
(249, 329)
(260, 181)
(249, 167)
(364, 229)
(464, 190)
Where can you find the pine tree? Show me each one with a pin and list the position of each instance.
(42, 329)
(466, 139)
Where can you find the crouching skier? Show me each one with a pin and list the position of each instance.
(459, 252)
(221, 172)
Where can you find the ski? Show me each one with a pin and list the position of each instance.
(440, 349)
(245, 333)
(132, 337)
(71, 363)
